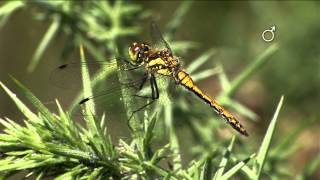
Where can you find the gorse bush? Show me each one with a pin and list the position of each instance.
(54, 145)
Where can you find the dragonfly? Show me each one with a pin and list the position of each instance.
(158, 59)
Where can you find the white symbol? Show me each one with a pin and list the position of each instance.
(268, 35)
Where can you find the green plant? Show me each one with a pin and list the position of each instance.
(50, 140)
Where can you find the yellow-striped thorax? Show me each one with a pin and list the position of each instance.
(160, 61)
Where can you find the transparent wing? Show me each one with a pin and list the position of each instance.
(109, 99)
(157, 38)
(66, 83)
(68, 76)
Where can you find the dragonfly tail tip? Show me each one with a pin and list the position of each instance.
(245, 133)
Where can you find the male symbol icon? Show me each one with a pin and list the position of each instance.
(268, 35)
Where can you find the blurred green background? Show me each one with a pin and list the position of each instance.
(234, 30)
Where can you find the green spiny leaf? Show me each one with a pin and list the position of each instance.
(225, 159)
(265, 146)
(22, 107)
(236, 168)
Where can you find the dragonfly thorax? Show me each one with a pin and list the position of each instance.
(160, 61)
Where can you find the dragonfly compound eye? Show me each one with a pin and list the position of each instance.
(145, 48)
(134, 50)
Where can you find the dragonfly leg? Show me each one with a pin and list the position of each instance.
(124, 60)
(132, 68)
(139, 86)
(142, 107)
(154, 88)
(143, 81)
(154, 97)
(137, 110)
(155, 92)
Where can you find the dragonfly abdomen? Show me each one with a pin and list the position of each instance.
(185, 80)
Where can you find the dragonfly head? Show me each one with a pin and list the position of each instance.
(137, 52)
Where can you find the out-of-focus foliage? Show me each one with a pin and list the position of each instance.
(91, 23)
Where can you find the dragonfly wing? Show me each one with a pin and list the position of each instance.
(66, 81)
(109, 98)
(157, 38)
(139, 88)
(68, 76)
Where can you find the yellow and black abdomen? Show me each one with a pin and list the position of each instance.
(185, 80)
